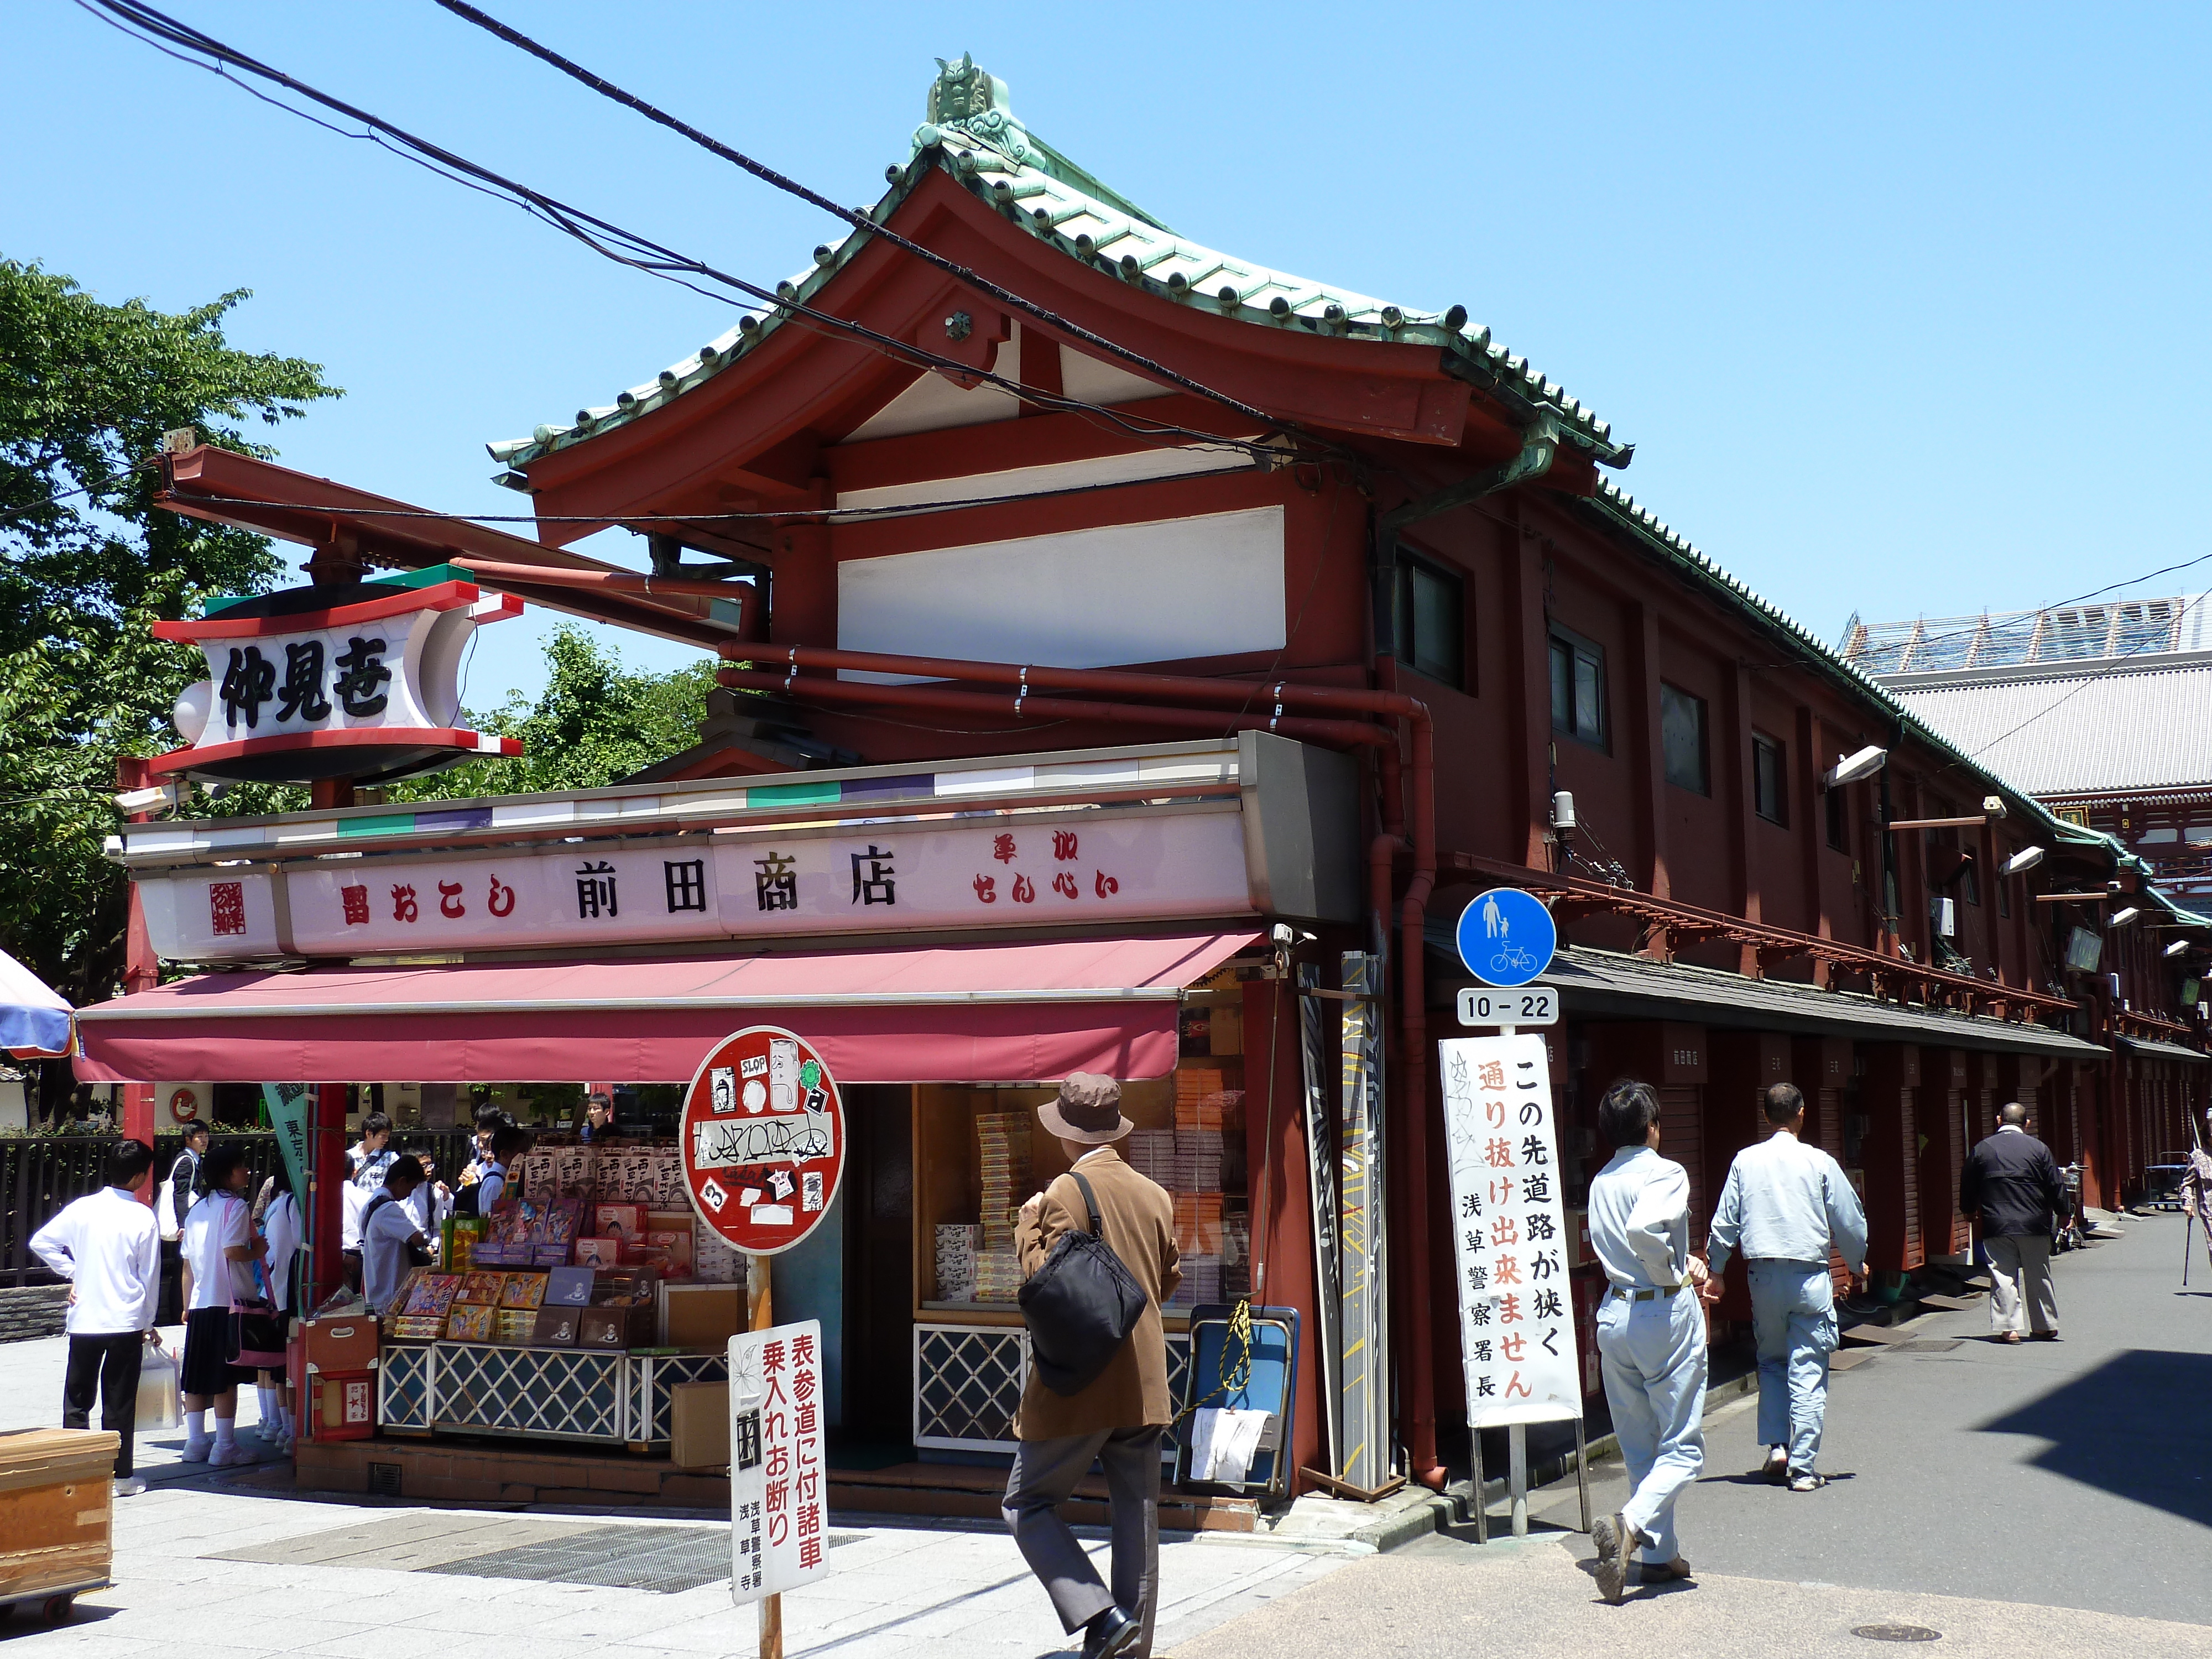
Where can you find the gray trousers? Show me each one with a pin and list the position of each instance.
(2021, 1296)
(1044, 1475)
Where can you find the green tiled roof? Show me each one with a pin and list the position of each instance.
(976, 139)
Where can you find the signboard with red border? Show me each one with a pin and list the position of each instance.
(762, 1136)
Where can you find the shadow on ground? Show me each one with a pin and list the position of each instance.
(2134, 1427)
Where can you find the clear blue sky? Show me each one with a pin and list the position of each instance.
(1903, 307)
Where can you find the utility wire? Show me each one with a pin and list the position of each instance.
(613, 241)
(2060, 604)
(607, 88)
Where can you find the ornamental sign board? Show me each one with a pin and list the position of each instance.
(762, 1137)
(1509, 1232)
(1506, 937)
(779, 1494)
(359, 681)
(1140, 865)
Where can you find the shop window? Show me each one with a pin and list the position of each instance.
(1770, 779)
(1578, 688)
(1839, 818)
(1430, 622)
(1682, 735)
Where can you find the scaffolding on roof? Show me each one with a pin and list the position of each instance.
(2013, 639)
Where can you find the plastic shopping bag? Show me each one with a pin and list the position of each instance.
(158, 1405)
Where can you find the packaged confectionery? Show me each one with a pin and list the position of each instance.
(554, 1328)
(568, 1287)
(471, 1323)
(594, 1252)
(618, 1220)
(482, 1288)
(432, 1294)
(523, 1291)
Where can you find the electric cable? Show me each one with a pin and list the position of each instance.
(613, 241)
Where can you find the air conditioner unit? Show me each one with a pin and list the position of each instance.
(1944, 912)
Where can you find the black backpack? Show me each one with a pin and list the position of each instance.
(1080, 1306)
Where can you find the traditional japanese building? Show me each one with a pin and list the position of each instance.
(1136, 658)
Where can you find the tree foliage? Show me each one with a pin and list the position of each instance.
(88, 563)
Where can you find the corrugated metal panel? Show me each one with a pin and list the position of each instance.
(2077, 735)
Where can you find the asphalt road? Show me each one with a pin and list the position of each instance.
(2051, 1492)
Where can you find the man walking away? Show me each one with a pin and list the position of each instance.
(1117, 1419)
(109, 1248)
(220, 1249)
(1651, 1337)
(2012, 1183)
(1786, 1204)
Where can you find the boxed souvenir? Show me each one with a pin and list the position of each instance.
(481, 1289)
(675, 1250)
(471, 1323)
(514, 1325)
(713, 1258)
(415, 1328)
(560, 1221)
(554, 1328)
(523, 1291)
(668, 1179)
(573, 1171)
(618, 1220)
(568, 1287)
(593, 1252)
(431, 1294)
(614, 1327)
(463, 1233)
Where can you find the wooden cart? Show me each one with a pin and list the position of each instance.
(57, 1510)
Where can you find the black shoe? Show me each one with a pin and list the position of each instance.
(1111, 1633)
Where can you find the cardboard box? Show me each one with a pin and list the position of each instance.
(339, 1345)
(701, 1315)
(699, 1418)
(340, 1406)
(59, 1509)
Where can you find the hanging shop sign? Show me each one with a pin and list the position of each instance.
(811, 879)
(1510, 1232)
(778, 1497)
(1506, 937)
(300, 688)
(762, 1136)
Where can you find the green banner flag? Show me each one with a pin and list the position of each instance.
(288, 1105)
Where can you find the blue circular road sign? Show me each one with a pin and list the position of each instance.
(1506, 937)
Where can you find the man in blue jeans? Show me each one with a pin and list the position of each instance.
(1650, 1338)
(1786, 1204)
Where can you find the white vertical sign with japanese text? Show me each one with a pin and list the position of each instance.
(779, 1499)
(1509, 1232)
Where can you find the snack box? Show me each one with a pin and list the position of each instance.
(516, 1326)
(569, 1287)
(595, 1252)
(432, 1295)
(614, 1327)
(524, 1291)
(471, 1323)
(481, 1289)
(415, 1328)
(560, 1222)
(677, 1248)
(554, 1328)
(618, 1220)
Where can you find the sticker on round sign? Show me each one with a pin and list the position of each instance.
(762, 1136)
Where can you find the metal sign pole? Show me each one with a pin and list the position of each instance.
(1582, 1471)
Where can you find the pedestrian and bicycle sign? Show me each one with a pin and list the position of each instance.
(1506, 938)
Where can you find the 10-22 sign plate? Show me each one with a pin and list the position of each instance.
(1530, 1004)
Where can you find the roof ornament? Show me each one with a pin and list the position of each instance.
(972, 101)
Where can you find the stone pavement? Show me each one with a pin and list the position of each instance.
(892, 1588)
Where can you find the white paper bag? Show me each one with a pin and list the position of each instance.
(158, 1406)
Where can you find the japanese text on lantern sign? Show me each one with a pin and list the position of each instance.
(1509, 1223)
(778, 1500)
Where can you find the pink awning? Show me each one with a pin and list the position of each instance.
(967, 1013)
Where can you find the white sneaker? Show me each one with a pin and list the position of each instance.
(233, 1453)
(196, 1451)
(128, 1486)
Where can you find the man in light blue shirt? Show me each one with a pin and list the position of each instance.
(1786, 1204)
(1650, 1338)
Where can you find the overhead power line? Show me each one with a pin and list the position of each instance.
(145, 23)
(761, 170)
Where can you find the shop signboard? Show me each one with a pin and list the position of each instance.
(298, 688)
(762, 1137)
(809, 880)
(779, 1498)
(1510, 1232)
(1506, 937)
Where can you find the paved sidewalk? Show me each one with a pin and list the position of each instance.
(892, 1588)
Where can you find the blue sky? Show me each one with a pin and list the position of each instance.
(1902, 306)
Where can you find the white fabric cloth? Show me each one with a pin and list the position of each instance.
(1639, 1219)
(108, 1246)
(1224, 1442)
(281, 1222)
(384, 1237)
(218, 1222)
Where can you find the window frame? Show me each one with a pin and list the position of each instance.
(1764, 746)
(1837, 807)
(1579, 651)
(1703, 786)
(1404, 627)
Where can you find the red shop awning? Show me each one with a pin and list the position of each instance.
(970, 1013)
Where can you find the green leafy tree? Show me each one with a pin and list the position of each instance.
(88, 563)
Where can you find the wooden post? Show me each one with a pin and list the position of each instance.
(760, 1313)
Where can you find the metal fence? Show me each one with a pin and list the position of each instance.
(41, 1174)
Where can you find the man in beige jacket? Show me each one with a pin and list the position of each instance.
(1117, 1419)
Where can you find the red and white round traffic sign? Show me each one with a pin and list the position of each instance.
(764, 1139)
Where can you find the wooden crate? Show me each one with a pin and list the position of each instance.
(56, 1510)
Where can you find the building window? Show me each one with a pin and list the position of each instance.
(1578, 687)
(1682, 733)
(1431, 622)
(2004, 892)
(1770, 780)
(1839, 818)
